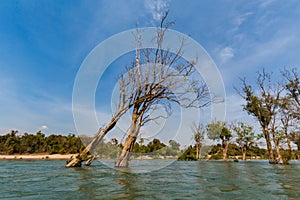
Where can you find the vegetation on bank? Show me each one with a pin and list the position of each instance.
(234, 152)
(15, 143)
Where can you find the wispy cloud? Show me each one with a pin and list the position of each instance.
(157, 8)
(226, 54)
(239, 20)
(266, 3)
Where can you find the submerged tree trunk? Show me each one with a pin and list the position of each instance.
(269, 146)
(225, 148)
(90, 160)
(76, 161)
(289, 146)
(123, 159)
(244, 150)
(279, 156)
(197, 151)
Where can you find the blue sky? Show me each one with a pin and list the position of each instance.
(43, 43)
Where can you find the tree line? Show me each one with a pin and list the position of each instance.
(275, 105)
(39, 143)
(14, 143)
(237, 139)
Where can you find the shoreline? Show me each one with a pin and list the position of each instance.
(36, 156)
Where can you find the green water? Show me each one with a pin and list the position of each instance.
(179, 180)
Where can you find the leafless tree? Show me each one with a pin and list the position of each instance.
(125, 102)
(163, 79)
(158, 78)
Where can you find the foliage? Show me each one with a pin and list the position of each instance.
(295, 137)
(12, 143)
(189, 154)
(245, 134)
(276, 107)
(218, 130)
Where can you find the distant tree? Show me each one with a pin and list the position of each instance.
(292, 86)
(174, 145)
(291, 106)
(263, 106)
(155, 145)
(218, 131)
(295, 137)
(245, 137)
(189, 154)
(198, 136)
(287, 121)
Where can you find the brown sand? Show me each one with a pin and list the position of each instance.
(36, 157)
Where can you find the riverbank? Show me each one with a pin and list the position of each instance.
(36, 156)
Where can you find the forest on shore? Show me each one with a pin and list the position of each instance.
(15, 143)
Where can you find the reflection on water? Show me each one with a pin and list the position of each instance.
(180, 180)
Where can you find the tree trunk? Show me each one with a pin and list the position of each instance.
(279, 157)
(76, 161)
(90, 160)
(269, 146)
(197, 151)
(123, 159)
(244, 150)
(290, 147)
(225, 148)
(200, 151)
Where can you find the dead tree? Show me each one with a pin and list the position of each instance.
(157, 77)
(160, 77)
(125, 102)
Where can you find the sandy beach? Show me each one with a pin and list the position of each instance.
(36, 157)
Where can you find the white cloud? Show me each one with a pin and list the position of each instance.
(226, 54)
(240, 19)
(44, 127)
(266, 3)
(157, 8)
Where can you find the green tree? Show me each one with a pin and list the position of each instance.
(189, 154)
(263, 106)
(292, 86)
(155, 145)
(245, 137)
(174, 145)
(295, 137)
(218, 131)
(198, 136)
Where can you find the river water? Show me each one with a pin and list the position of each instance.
(176, 180)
